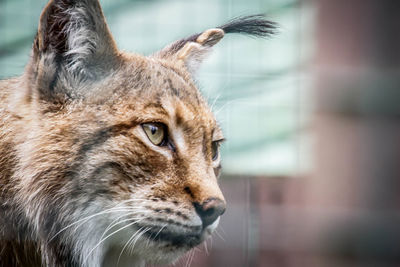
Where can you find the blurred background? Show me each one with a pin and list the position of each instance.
(312, 162)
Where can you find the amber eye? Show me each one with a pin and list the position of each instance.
(214, 150)
(156, 132)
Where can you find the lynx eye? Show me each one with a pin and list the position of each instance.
(215, 150)
(156, 132)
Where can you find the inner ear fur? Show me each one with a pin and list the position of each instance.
(73, 44)
(193, 53)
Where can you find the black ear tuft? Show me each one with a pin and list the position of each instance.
(192, 50)
(254, 25)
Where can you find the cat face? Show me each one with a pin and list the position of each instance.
(117, 152)
(159, 164)
(143, 155)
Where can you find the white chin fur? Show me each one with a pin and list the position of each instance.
(211, 228)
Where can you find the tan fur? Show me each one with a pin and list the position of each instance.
(50, 145)
(79, 178)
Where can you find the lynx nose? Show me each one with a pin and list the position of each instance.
(210, 210)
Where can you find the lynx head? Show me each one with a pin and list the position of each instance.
(121, 151)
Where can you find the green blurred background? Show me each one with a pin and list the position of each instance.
(257, 88)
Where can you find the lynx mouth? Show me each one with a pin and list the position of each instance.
(177, 239)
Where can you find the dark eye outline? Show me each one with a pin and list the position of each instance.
(164, 141)
(215, 149)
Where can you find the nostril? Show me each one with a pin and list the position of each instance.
(210, 210)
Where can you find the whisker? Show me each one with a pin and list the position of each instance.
(185, 259)
(116, 231)
(191, 256)
(154, 238)
(220, 236)
(137, 238)
(85, 219)
(115, 222)
(109, 210)
(194, 255)
(188, 258)
(225, 105)
(162, 228)
(127, 243)
(222, 230)
(215, 101)
(205, 247)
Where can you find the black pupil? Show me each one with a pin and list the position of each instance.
(153, 129)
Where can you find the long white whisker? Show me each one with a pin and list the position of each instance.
(182, 261)
(154, 238)
(162, 228)
(109, 210)
(225, 105)
(220, 236)
(190, 258)
(222, 230)
(205, 247)
(85, 219)
(215, 101)
(187, 259)
(116, 231)
(127, 243)
(116, 222)
(137, 238)
(193, 255)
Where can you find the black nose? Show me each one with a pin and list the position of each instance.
(210, 210)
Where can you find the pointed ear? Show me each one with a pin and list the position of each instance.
(190, 52)
(72, 42)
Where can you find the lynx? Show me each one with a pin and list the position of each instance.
(108, 158)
